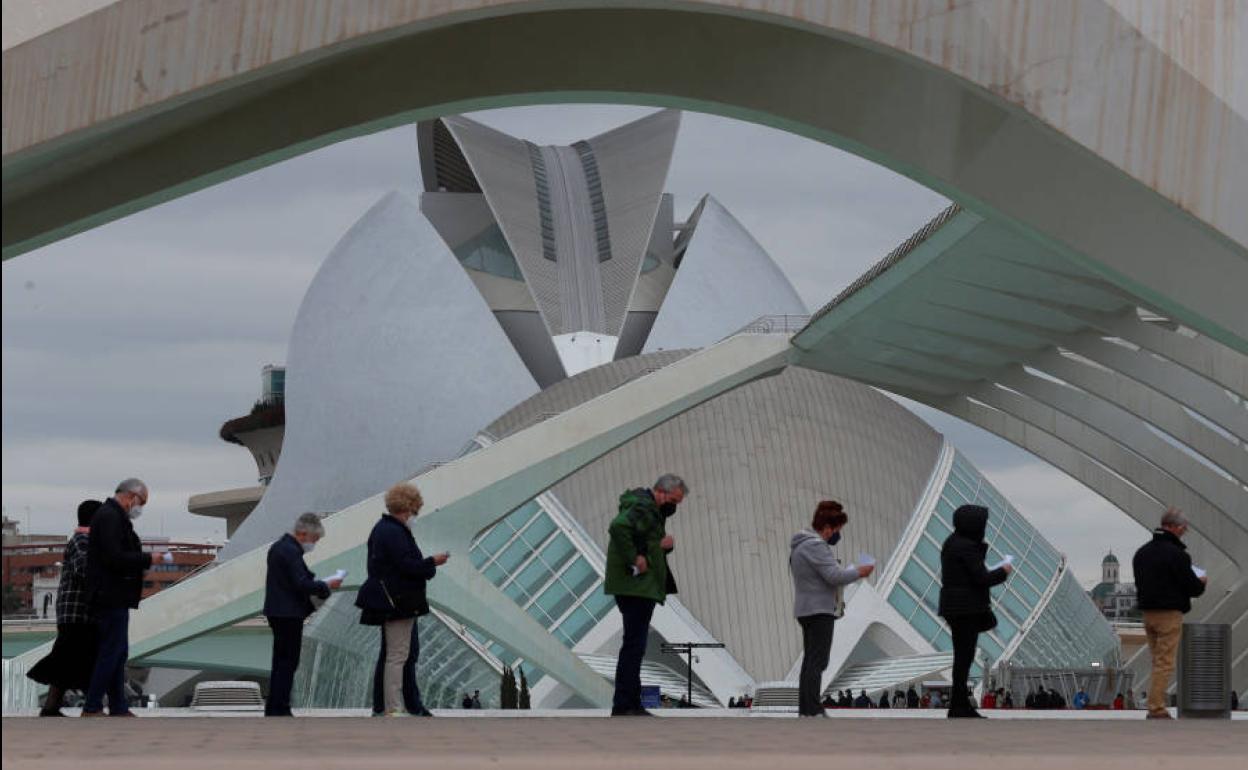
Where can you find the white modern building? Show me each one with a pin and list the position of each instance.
(529, 280)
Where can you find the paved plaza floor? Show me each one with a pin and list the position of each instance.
(161, 741)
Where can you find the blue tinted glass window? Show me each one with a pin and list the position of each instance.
(931, 598)
(903, 602)
(513, 555)
(1014, 606)
(943, 642)
(538, 614)
(555, 600)
(533, 576)
(928, 552)
(557, 551)
(939, 528)
(516, 593)
(925, 624)
(478, 556)
(521, 515)
(599, 604)
(990, 646)
(579, 577)
(495, 539)
(538, 530)
(577, 624)
(1029, 595)
(495, 574)
(1005, 627)
(914, 576)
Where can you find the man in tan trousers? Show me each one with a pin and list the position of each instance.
(1165, 583)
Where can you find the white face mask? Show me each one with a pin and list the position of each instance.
(307, 547)
(136, 511)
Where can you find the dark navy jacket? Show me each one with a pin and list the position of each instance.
(289, 583)
(115, 559)
(1163, 574)
(396, 571)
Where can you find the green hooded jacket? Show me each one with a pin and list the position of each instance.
(638, 529)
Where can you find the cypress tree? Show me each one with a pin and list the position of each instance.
(524, 690)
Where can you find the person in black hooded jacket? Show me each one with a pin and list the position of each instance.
(965, 603)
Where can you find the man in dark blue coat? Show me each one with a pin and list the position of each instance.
(288, 588)
(115, 566)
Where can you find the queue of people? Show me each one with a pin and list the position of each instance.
(104, 563)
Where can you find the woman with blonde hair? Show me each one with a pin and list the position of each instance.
(393, 597)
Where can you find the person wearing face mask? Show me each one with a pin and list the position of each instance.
(288, 588)
(639, 578)
(818, 599)
(1165, 585)
(392, 597)
(965, 602)
(115, 566)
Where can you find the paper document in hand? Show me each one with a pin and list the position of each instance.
(865, 560)
(1200, 573)
(339, 575)
(1009, 559)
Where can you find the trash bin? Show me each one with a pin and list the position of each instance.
(1204, 686)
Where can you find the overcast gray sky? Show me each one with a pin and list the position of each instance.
(125, 348)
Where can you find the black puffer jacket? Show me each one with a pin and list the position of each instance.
(1163, 574)
(964, 578)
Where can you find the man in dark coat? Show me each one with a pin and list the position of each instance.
(639, 579)
(965, 603)
(115, 566)
(288, 588)
(1165, 584)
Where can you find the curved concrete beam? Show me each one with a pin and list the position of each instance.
(1025, 125)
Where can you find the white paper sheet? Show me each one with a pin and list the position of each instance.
(339, 575)
(865, 560)
(1200, 573)
(1009, 559)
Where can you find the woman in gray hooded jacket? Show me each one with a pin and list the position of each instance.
(818, 581)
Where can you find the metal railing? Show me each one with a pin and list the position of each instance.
(774, 324)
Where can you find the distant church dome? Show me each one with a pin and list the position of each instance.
(1109, 559)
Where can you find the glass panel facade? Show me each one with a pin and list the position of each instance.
(538, 567)
(915, 596)
(1070, 632)
(488, 252)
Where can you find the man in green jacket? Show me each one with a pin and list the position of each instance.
(638, 577)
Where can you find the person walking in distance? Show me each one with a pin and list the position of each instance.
(288, 588)
(638, 576)
(1165, 585)
(818, 599)
(115, 566)
(72, 659)
(965, 603)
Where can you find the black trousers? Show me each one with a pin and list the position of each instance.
(287, 645)
(816, 646)
(965, 633)
(412, 701)
(636, 612)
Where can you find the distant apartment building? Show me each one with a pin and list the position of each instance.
(31, 568)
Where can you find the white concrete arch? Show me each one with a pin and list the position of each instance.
(1027, 127)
